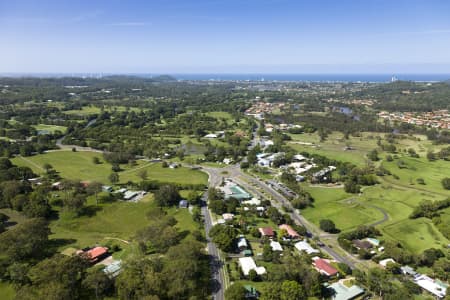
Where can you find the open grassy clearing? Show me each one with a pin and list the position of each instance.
(6, 291)
(110, 221)
(92, 110)
(334, 146)
(50, 128)
(330, 203)
(70, 165)
(79, 165)
(157, 172)
(431, 172)
(118, 220)
(416, 235)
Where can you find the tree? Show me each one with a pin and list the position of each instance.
(267, 252)
(252, 275)
(223, 236)
(115, 168)
(47, 167)
(26, 240)
(271, 291)
(446, 183)
(96, 160)
(193, 197)
(291, 290)
(113, 177)
(58, 277)
(236, 291)
(217, 206)
(328, 226)
(94, 188)
(75, 203)
(373, 155)
(37, 206)
(167, 195)
(98, 282)
(143, 174)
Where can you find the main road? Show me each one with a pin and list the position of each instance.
(217, 267)
(257, 186)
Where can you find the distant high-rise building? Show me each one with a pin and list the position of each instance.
(393, 78)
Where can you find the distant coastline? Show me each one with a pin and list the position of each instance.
(331, 77)
(316, 77)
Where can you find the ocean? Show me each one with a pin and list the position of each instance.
(316, 77)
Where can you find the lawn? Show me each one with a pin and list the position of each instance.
(79, 165)
(6, 291)
(70, 165)
(50, 128)
(416, 235)
(117, 220)
(333, 146)
(431, 172)
(84, 111)
(331, 203)
(155, 171)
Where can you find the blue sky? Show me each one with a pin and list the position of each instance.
(223, 36)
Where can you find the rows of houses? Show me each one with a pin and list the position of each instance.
(434, 119)
(259, 108)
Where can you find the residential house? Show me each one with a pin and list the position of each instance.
(290, 231)
(247, 264)
(386, 261)
(324, 267)
(266, 231)
(276, 246)
(343, 292)
(304, 246)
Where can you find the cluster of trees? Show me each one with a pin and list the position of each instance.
(429, 209)
(346, 239)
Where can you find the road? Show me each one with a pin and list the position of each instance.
(256, 186)
(217, 270)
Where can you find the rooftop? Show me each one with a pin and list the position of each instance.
(305, 246)
(324, 267)
(345, 293)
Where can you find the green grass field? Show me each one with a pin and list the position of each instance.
(330, 203)
(157, 172)
(79, 165)
(431, 172)
(70, 165)
(333, 146)
(6, 291)
(111, 220)
(92, 110)
(416, 235)
(50, 128)
(118, 220)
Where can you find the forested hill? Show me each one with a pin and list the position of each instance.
(410, 96)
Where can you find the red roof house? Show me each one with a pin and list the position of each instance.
(97, 253)
(324, 267)
(266, 231)
(291, 232)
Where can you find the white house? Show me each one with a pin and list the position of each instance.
(435, 287)
(247, 264)
(276, 246)
(386, 261)
(306, 247)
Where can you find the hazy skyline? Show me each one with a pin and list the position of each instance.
(175, 36)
